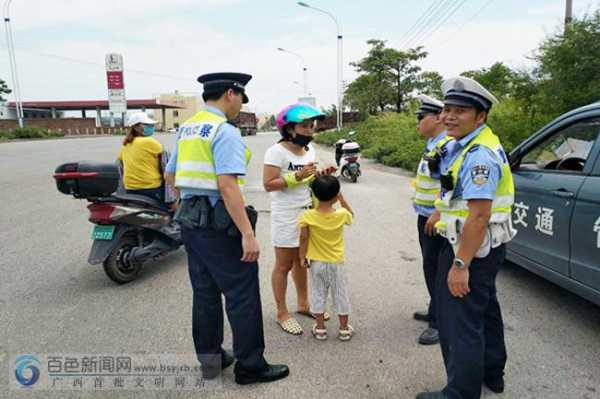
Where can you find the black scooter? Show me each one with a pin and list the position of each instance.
(129, 230)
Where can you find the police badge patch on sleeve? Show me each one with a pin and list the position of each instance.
(480, 174)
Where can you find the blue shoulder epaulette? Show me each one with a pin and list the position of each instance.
(475, 147)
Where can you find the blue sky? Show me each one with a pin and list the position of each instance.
(61, 43)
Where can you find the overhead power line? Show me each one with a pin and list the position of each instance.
(99, 65)
(467, 21)
(427, 23)
(441, 16)
(443, 21)
(411, 30)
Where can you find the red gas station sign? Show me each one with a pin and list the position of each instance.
(115, 80)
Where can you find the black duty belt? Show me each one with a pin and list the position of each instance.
(198, 213)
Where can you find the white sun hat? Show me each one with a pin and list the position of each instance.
(140, 117)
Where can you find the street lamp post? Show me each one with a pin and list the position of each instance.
(13, 63)
(340, 62)
(297, 83)
(304, 69)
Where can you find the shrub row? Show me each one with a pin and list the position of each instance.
(29, 133)
(392, 138)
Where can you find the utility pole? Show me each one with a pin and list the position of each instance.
(568, 14)
(399, 100)
(13, 64)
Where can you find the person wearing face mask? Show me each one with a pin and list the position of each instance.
(140, 158)
(289, 167)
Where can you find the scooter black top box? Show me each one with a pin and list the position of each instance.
(87, 179)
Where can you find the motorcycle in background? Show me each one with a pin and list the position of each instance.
(347, 155)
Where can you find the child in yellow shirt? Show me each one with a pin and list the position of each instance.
(322, 243)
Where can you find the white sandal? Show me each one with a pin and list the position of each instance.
(319, 334)
(346, 335)
(291, 326)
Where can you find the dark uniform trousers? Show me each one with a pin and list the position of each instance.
(471, 328)
(215, 269)
(430, 251)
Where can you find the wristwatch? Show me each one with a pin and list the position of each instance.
(459, 263)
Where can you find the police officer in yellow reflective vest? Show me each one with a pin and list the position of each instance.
(208, 167)
(475, 208)
(427, 189)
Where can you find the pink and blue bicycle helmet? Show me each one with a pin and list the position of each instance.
(297, 113)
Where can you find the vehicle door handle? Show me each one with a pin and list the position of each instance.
(563, 193)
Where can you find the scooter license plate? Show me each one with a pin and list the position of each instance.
(103, 232)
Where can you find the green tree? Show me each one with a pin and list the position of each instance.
(362, 95)
(387, 77)
(569, 65)
(498, 79)
(430, 83)
(406, 72)
(4, 90)
(380, 79)
(526, 92)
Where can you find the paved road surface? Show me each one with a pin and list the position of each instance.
(54, 302)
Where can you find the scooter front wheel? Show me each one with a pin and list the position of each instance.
(345, 173)
(117, 267)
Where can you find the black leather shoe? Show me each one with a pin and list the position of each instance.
(422, 316)
(431, 395)
(212, 372)
(272, 373)
(429, 337)
(495, 385)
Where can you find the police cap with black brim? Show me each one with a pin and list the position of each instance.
(466, 92)
(429, 105)
(215, 82)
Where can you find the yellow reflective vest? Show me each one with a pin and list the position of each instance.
(454, 211)
(427, 188)
(195, 161)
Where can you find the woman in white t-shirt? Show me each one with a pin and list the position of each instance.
(289, 167)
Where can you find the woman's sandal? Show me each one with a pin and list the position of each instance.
(346, 335)
(307, 313)
(291, 326)
(319, 334)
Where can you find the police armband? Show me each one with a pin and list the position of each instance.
(291, 180)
